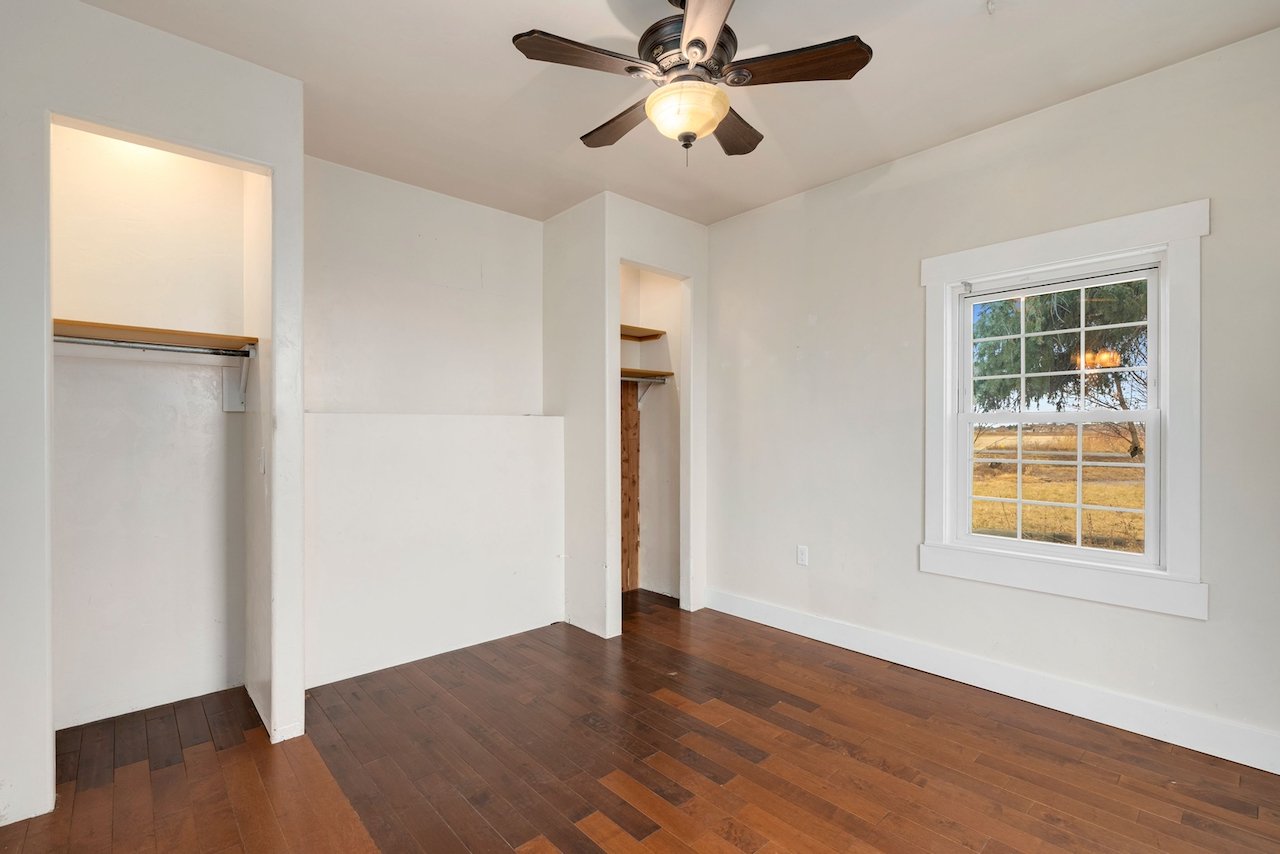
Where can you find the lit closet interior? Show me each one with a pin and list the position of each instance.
(652, 314)
(160, 293)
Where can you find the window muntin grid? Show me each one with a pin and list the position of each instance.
(1060, 419)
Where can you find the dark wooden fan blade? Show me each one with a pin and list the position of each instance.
(703, 21)
(837, 60)
(736, 136)
(536, 44)
(616, 128)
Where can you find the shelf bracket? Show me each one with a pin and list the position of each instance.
(234, 389)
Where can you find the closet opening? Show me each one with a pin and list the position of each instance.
(652, 311)
(160, 269)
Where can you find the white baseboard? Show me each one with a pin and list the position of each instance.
(1238, 742)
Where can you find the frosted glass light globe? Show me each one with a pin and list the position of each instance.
(687, 107)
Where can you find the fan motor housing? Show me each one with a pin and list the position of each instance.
(660, 45)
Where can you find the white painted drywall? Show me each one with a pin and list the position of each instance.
(817, 369)
(256, 427)
(583, 252)
(418, 302)
(576, 376)
(655, 301)
(427, 533)
(435, 512)
(60, 56)
(148, 533)
(144, 237)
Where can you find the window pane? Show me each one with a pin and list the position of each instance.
(1059, 352)
(995, 441)
(995, 518)
(1053, 393)
(1050, 483)
(1060, 310)
(1049, 524)
(1121, 442)
(997, 358)
(1115, 390)
(1049, 442)
(1115, 486)
(1083, 352)
(1115, 530)
(995, 480)
(1123, 302)
(995, 395)
(1114, 347)
(991, 319)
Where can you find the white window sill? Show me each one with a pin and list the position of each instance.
(1077, 580)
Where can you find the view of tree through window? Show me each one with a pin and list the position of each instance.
(1054, 374)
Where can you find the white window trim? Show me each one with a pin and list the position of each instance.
(1173, 236)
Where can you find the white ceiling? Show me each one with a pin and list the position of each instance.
(434, 94)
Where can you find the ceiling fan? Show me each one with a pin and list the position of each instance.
(687, 57)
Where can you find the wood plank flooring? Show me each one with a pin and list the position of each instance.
(692, 732)
(194, 776)
(702, 732)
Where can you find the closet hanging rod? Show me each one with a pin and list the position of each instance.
(652, 380)
(140, 345)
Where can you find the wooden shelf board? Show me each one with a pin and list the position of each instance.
(640, 333)
(148, 335)
(642, 374)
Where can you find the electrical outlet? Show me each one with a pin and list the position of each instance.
(802, 555)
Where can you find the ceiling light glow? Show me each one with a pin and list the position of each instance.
(687, 110)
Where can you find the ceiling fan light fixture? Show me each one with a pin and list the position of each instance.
(687, 110)
(691, 53)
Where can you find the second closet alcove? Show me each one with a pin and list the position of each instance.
(652, 332)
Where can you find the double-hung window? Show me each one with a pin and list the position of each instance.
(1060, 418)
(1062, 436)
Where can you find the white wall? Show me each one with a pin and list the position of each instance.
(148, 533)
(657, 302)
(144, 237)
(428, 533)
(63, 57)
(575, 385)
(583, 252)
(817, 360)
(418, 302)
(435, 510)
(258, 447)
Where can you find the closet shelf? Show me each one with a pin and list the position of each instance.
(114, 333)
(642, 374)
(640, 333)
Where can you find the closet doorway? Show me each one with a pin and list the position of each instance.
(160, 290)
(652, 310)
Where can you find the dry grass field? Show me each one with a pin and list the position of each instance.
(1054, 469)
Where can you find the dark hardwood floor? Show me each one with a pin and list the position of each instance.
(704, 732)
(692, 732)
(194, 776)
